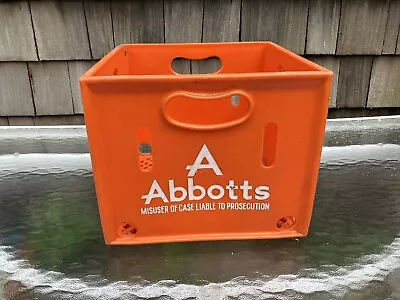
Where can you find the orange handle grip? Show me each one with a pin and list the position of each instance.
(207, 111)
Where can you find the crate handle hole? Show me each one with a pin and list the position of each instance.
(209, 65)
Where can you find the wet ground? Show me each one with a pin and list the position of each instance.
(51, 245)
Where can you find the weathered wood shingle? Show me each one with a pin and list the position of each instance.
(98, 16)
(59, 120)
(60, 30)
(281, 21)
(16, 33)
(331, 63)
(4, 121)
(76, 70)
(392, 28)
(384, 88)
(138, 21)
(323, 25)
(20, 121)
(15, 90)
(183, 24)
(183, 21)
(362, 26)
(354, 76)
(51, 88)
(221, 22)
(398, 43)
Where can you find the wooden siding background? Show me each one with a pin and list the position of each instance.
(45, 46)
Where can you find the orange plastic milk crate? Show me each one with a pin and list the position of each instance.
(192, 157)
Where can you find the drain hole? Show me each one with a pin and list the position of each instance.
(285, 222)
(127, 229)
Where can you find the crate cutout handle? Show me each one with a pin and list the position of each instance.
(208, 65)
(207, 111)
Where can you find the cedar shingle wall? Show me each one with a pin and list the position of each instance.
(46, 45)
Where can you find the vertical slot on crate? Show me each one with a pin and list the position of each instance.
(269, 146)
(145, 149)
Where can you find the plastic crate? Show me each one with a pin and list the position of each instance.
(223, 156)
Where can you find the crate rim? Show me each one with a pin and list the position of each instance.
(320, 72)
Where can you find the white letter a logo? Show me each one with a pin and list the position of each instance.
(212, 164)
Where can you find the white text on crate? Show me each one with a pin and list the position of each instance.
(192, 191)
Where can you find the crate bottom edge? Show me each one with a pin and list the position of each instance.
(204, 238)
